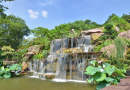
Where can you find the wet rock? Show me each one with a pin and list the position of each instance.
(29, 73)
(73, 67)
(51, 67)
(72, 50)
(24, 66)
(49, 76)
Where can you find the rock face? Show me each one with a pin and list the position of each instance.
(35, 48)
(96, 36)
(24, 66)
(109, 50)
(125, 34)
(32, 50)
(89, 32)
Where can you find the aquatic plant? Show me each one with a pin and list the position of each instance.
(104, 74)
(7, 72)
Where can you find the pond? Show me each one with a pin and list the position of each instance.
(26, 83)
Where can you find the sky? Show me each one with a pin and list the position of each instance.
(51, 13)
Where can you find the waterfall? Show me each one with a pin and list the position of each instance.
(68, 59)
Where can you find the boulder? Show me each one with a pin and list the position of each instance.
(109, 50)
(125, 34)
(9, 62)
(96, 36)
(49, 76)
(24, 66)
(89, 32)
(117, 29)
(28, 55)
(35, 48)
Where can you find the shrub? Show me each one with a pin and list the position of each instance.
(108, 26)
(128, 51)
(127, 56)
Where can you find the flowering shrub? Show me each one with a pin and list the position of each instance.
(104, 74)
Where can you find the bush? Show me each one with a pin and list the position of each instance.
(108, 26)
(127, 56)
(128, 51)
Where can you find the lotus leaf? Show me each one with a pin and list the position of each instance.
(91, 70)
(98, 76)
(90, 80)
(109, 79)
(109, 70)
(8, 75)
(102, 84)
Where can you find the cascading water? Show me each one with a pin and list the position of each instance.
(67, 60)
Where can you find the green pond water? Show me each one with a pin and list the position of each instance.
(26, 83)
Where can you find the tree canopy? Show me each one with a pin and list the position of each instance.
(12, 30)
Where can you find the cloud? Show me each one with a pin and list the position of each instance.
(44, 14)
(32, 13)
(47, 2)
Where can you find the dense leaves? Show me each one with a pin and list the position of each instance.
(7, 72)
(104, 74)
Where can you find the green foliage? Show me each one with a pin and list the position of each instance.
(120, 46)
(127, 42)
(45, 53)
(121, 22)
(108, 27)
(104, 74)
(127, 56)
(18, 55)
(35, 56)
(12, 31)
(7, 51)
(103, 44)
(126, 17)
(41, 55)
(128, 51)
(6, 72)
(2, 9)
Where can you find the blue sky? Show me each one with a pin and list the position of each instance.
(51, 13)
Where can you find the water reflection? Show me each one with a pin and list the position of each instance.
(24, 83)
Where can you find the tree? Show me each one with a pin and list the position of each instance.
(7, 51)
(109, 18)
(87, 21)
(126, 17)
(2, 9)
(12, 31)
